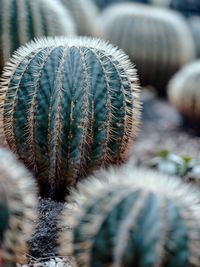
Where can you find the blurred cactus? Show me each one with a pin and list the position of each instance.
(85, 14)
(157, 40)
(184, 93)
(129, 217)
(17, 208)
(23, 20)
(69, 107)
(194, 23)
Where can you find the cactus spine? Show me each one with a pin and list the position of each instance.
(84, 13)
(23, 20)
(157, 40)
(69, 107)
(128, 217)
(184, 93)
(17, 208)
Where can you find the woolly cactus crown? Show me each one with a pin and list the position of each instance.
(144, 218)
(23, 20)
(69, 106)
(157, 40)
(19, 191)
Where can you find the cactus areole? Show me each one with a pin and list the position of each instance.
(70, 106)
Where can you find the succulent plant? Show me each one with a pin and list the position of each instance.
(69, 106)
(133, 217)
(17, 208)
(85, 13)
(23, 20)
(183, 92)
(157, 40)
(194, 23)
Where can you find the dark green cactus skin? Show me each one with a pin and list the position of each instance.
(69, 110)
(23, 20)
(146, 219)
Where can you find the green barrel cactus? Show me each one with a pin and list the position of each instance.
(18, 205)
(85, 14)
(184, 93)
(157, 40)
(23, 20)
(133, 217)
(69, 106)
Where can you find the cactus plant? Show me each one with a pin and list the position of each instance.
(17, 208)
(157, 40)
(23, 20)
(133, 217)
(69, 106)
(85, 13)
(183, 91)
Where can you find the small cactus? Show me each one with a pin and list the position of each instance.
(184, 93)
(17, 208)
(69, 106)
(157, 40)
(23, 20)
(85, 13)
(132, 217)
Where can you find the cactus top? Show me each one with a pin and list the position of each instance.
(132, 217)
(23, 20)
(21, 195)
(69, 106)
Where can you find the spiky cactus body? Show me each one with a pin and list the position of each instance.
(157, 40)
(184, 93)
(17, 208)
(129, 217)
(70, 106)
(85, 13)
(23, 20)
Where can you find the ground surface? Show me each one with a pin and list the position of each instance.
(161, 129)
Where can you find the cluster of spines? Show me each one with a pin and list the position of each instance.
(161, 41)
(22, 21)
(20, 193)
(69, 106)
(85, 13)
(127, 217)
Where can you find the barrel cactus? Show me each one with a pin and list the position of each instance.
(17, 208)
(184, 93)
(85, 13)
(157, 40)
(132, 217)
(69, 106)
(22, 20)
